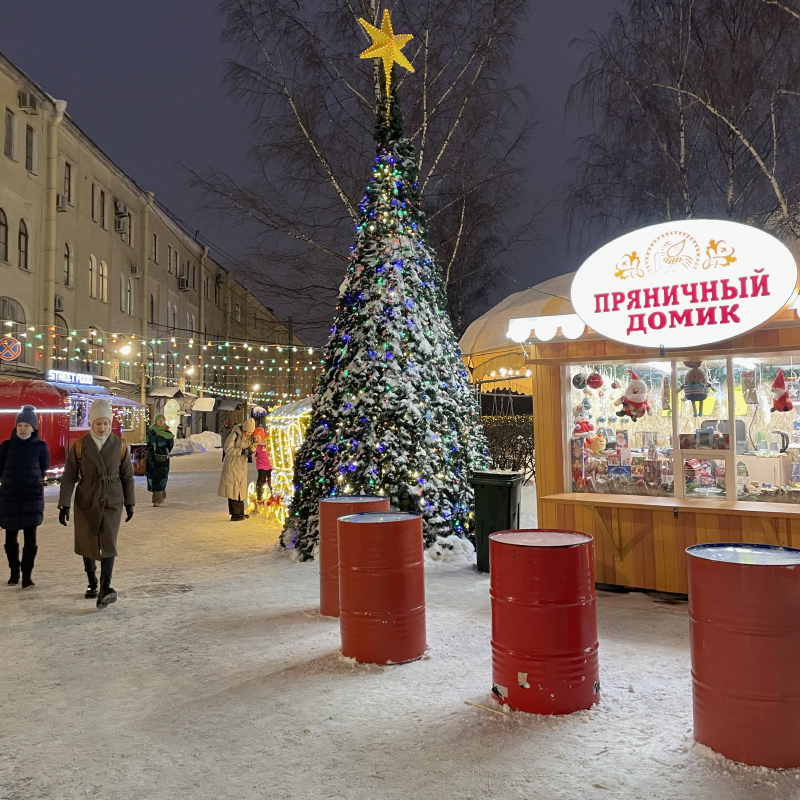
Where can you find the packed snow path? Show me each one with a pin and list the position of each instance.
(215, 677)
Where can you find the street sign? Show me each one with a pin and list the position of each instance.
(10, 348)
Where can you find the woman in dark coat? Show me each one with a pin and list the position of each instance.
(24, 460)
(160, 441)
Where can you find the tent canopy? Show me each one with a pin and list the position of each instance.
(489, 332)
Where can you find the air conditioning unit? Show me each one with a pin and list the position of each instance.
(183, 284)
(219, 279)
(28, 102)
(120, 209)
(121, 225)
(135, 271)
(58, 305)
(61, 202)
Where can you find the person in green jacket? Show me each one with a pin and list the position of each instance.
(160, 440)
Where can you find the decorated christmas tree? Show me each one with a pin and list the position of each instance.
(394, 413)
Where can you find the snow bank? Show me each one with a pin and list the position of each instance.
(208, 440)
(451, 550)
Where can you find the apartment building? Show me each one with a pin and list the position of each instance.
(97, 278)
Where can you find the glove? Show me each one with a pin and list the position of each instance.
(63, 515)
(129, 509)
(246, 451)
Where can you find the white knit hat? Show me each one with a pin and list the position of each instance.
(249, 425)
(100, 409)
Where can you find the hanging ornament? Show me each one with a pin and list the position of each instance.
(579, 381)
(634, 402)
(594, 381)
(695, 386)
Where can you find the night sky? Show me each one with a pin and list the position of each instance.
(143, 80)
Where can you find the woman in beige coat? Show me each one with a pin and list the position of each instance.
(239, 447)
(100, 466)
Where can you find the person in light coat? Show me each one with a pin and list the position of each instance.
(238, 450)
(99, 465)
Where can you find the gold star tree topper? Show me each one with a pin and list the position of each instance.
(387, 46)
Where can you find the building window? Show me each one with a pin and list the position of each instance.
(130, 230)
(122, 305)
(103, 281)
(174, 317)
(154, 253)
(29, 148)
(227, 305)
(12, 312)
(217, 293)
(8, 144)
(68, 181)
(129, 298)
(69, 275)
(194, 276)
(92, 276)
(23, 245)
(207, 287)
(238, 313)
(191, 327)
(94, 202)
(175, 260)
(152, 317)
(3, 236)
(61, 354)
(169, 258)
(102, 208)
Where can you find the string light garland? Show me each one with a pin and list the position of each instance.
(394, 413)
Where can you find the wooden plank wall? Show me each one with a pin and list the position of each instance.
(651, 544)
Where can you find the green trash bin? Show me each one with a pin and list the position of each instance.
(498, 496)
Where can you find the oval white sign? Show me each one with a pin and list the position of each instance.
(684, 284)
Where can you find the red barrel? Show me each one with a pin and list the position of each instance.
(381, 587)
(544, 623)
(744, 624)
(330, 509)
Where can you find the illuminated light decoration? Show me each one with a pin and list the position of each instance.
(388, 47)
(684, 284)
(545, 328)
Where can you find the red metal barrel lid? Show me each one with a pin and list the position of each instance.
(379, 516)
(768, 555)
(541, 537)
(351, 498)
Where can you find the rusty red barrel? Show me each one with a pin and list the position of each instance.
(330, 509)
(544, 623)
(381, 587)
(744, 625)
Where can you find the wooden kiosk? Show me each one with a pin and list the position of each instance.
(708, 459)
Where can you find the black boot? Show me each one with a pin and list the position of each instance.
(107, 594)
(91, 589)
(26, 565)
(12, 551)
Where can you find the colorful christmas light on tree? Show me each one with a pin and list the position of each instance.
(393, 413)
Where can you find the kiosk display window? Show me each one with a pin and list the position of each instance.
(724, 428)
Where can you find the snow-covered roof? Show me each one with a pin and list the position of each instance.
(295, 409)
(489, 332)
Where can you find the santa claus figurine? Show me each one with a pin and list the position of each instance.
(634, 402)
(780, 397)
(583, 428)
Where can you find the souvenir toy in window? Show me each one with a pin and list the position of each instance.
(634, 401)
(780, 397)
(695, 386)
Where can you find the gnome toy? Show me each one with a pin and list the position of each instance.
(780, 397)
(634, 402)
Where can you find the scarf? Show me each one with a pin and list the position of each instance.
(100, 440)
(161, 429)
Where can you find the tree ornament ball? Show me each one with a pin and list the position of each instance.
(595, 380)
(579, 381)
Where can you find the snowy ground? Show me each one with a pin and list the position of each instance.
(215, 677)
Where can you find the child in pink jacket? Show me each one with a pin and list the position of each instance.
(264, 466)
